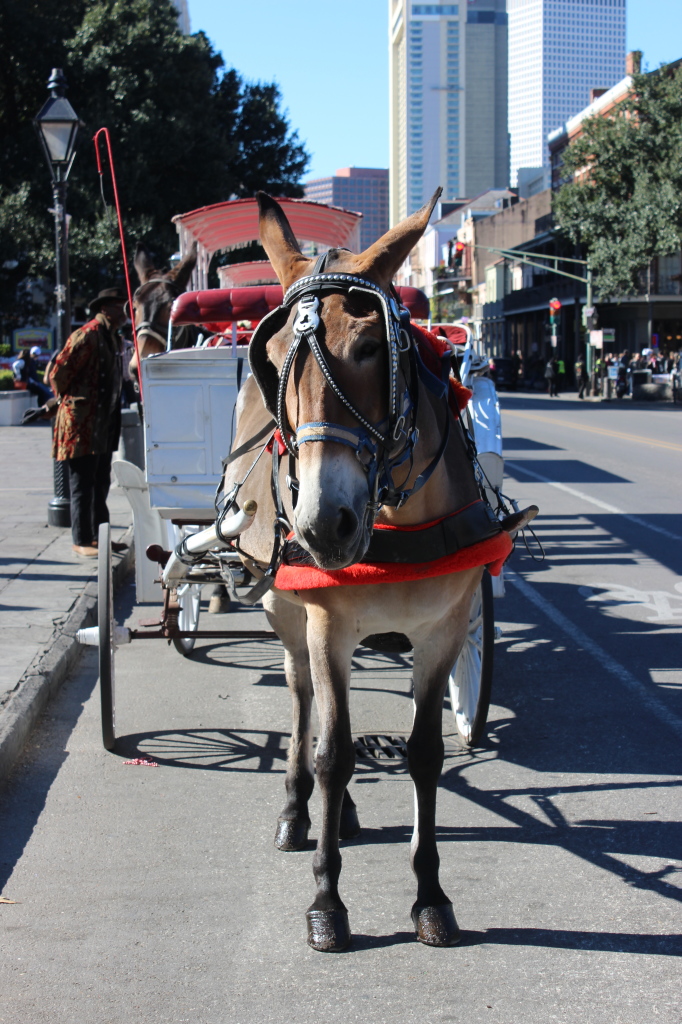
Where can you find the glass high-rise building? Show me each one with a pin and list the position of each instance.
(360, 189)
(559, 51)
(448, 100)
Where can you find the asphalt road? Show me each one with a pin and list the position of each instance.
(156, 895)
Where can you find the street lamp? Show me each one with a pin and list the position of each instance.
(57, 125)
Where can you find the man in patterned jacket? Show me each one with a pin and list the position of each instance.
(86, 377)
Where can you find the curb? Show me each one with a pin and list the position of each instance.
(45, 675)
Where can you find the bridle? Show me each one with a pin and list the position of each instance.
(380, 447)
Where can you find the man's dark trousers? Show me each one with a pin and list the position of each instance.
(90, 479)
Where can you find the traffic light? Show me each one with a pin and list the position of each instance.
(459, 254)
(554, 310)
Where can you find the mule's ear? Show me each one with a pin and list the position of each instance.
(279, 243)
(385, 256)
(182, 273)
(144, 264)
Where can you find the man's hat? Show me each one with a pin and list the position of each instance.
(108, 295)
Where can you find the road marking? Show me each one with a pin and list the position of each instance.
(646, 699)
(596, 430)
(593, 501)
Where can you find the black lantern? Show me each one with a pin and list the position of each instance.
(57, 126)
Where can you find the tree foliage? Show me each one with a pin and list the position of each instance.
(625, 206)
(186, 132)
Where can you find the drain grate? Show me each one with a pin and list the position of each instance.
(373, 748)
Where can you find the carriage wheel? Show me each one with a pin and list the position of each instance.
(105, 622)
(472, 674)
(189, 599)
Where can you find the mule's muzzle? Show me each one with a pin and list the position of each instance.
(336, 538)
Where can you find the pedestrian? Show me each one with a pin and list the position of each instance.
(561, 374)
(86, 376)
(517, 362)
(581, 376)
(25, 373)
(551, 377)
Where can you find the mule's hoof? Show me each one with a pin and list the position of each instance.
(219, 604)
(328, 930)
(436, 926)
(291, 835)
(349, 826)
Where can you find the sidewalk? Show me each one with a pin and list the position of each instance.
(46, 592)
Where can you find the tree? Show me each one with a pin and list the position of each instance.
(185, 131)
(625, 203)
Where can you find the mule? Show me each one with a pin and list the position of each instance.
(153, 299)
(371, 445)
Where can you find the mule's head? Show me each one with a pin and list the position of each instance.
(155, 295)
(332, 519)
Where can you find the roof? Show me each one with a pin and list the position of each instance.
(234, 223)
(232, 275)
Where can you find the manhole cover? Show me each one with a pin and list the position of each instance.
(371, 748)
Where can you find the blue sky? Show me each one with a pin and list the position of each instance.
(330, 60)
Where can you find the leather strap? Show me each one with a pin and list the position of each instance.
(474, 523)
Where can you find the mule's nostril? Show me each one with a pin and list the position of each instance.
(347, 524)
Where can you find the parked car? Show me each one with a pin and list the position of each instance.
(503, 372)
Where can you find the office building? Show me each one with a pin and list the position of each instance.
(560, 53)
(360, 189)
(183, 15)
(448, 100)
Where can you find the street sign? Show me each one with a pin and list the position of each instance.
(597, 339)
(608, 335)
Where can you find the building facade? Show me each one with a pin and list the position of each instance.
(560, 51)
(360, 189)
(448, 100)
(183, 16)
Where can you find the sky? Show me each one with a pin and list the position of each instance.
(330, 60)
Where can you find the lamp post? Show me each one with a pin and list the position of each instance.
(57, 126)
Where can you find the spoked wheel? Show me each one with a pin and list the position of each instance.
(189, 599)
(105, 622)
(472, 674)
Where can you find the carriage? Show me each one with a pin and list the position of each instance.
(394, 495)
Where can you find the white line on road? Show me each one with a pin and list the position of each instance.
(646, 699)
(592, 501)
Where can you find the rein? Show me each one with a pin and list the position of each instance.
(380, 447)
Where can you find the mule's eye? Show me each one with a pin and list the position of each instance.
(367, 350)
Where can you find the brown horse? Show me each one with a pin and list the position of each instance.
(335, 366)
(154, 297)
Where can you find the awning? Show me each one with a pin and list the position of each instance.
(256, 272)
(234, 223)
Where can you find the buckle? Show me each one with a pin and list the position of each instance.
(404, 340)
(398, 429)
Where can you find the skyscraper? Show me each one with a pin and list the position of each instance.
(183, 15)
(559, 51)
(448, 97)
(361, 189)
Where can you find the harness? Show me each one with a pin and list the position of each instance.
(380, 447)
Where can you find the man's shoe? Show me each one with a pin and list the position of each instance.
(85, 551)
(117, 547)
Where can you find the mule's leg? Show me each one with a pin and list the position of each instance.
(330, 658)
(432, 913)
(289, 622)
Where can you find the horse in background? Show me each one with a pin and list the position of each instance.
(152, 301)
